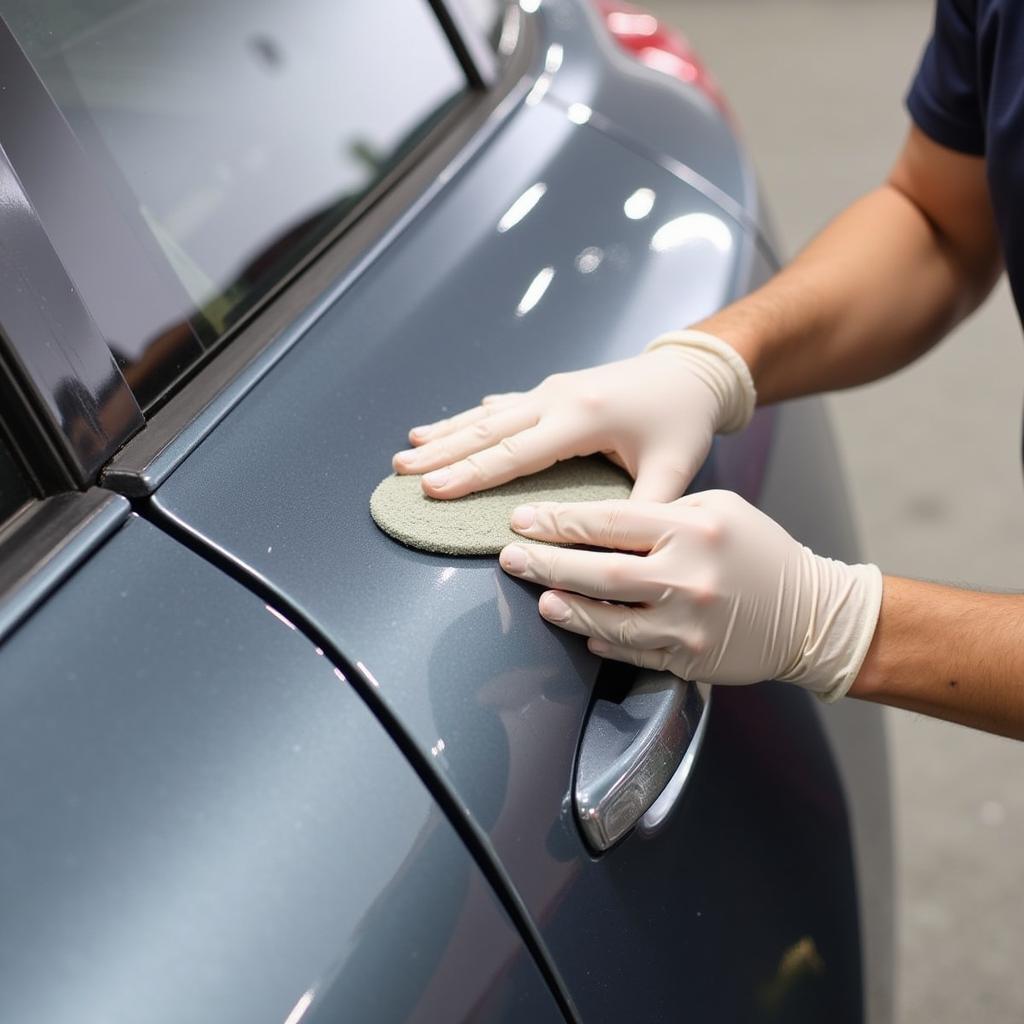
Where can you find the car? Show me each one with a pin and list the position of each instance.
(258, 761)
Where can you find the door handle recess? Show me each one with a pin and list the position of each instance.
(637, 750)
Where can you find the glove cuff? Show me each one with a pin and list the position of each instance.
(859, 622)
(845, 604)
(723, 370)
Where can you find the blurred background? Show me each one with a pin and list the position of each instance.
(933, 455)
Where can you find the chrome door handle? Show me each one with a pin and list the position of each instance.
(636, 754)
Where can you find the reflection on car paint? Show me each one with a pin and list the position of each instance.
(579, 113)
(639, 204)
(692, 227)
(589, 259)
(535, 292)
(522, 206)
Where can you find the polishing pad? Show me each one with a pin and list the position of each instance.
(479, 523)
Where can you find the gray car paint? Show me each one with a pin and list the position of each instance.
(657, 115)
(201, 821)
(493, 695)
(47, 543)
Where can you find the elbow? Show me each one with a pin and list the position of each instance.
(949, 191)
(970, 251)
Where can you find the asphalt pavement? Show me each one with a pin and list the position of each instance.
(933, 456)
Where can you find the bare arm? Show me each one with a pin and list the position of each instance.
(879, 286)
(949, 653)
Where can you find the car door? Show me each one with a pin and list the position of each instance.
(201, 818)
(439, 283)
(697, 914)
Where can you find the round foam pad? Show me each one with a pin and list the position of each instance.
(479, 523)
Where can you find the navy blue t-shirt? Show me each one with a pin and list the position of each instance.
(968, 95)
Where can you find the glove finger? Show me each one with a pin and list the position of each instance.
(606, 576)
(430, 431)
(619, 625)
(515, 455)
(481, 433)
(652, 485)
(658, 659)
(504, 398)
(441, 428)
(619, 525)
(660, 479)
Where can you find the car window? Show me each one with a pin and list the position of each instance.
(235, 134)
(487, 16)
(15, 490)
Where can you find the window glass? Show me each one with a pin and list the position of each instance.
(488, 16)
(237, 134)
(14, 488)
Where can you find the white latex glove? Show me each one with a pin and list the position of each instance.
(712, 590)
(654, 415)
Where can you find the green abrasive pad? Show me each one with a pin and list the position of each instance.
(479, 523)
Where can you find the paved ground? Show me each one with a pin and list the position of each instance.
(934, 458)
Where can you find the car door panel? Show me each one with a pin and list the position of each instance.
(202, 821)
(701, 919)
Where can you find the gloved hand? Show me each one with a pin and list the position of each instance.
(711, 589)
(654, 415)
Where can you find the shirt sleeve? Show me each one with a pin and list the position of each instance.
(944, 100)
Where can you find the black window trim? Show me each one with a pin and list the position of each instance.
(27, 435)
(57, 186)
(219, 383)
(54, 356)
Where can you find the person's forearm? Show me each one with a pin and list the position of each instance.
(948, 653)
(879, 286)
(871, 293)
